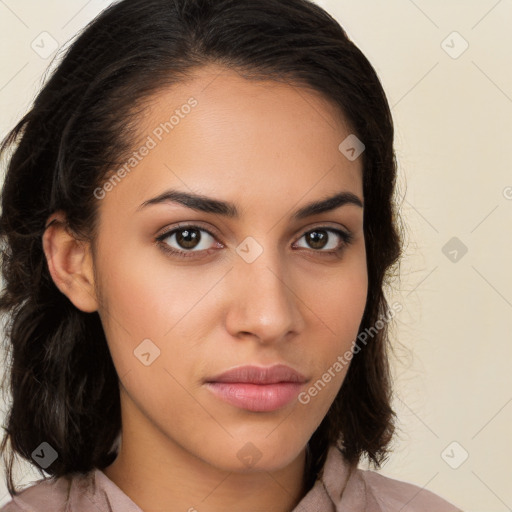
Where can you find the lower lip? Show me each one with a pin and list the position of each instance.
(256, 397)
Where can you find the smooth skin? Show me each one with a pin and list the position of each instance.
(270, 148)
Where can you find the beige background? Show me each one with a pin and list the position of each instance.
(453, 118)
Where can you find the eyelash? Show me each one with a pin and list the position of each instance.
(346, 236)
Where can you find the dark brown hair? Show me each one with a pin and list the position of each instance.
(60, 373)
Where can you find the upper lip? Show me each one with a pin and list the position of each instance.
(259, 375)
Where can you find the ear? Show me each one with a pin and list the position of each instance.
(70, 263)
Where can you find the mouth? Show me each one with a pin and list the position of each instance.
(257, 389)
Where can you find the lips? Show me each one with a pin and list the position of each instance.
(260, 375)
(257, 389)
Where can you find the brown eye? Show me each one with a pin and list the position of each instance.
(188, 238)
(317, 239)
(186, 241)
(326, 239)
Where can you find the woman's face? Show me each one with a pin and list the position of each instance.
(261, 287)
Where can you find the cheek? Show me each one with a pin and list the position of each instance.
(350, 302)
(341, 299)
(155, 302)
(340, 309)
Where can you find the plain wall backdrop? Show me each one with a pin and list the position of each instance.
(447, 71)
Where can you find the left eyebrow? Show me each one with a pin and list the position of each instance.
(326, 205)
(210, 205)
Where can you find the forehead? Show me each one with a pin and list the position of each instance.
(223, 135)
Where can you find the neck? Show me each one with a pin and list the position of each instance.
(157, 473)
(186, 483)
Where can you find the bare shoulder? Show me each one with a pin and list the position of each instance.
(392, 494)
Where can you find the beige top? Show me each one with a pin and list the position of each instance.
(342, 488)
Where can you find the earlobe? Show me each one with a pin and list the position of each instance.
(70, 263)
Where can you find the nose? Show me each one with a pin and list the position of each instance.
(263, 302)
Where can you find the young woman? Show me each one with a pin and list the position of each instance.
(198, 226)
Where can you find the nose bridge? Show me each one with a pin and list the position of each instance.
(263, 303)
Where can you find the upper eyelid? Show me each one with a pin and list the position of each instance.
(182, 225)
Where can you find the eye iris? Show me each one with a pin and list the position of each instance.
(188, 238)
(317, 239)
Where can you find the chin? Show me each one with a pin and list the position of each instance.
(257, 456)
